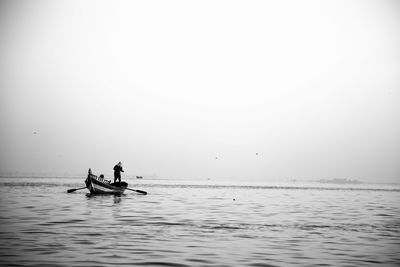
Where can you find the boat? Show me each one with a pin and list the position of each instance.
(99, 185)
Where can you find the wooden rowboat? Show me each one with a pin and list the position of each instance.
(98, 185)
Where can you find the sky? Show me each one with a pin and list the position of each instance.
(248, 90)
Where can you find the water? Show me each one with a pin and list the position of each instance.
(183, 223)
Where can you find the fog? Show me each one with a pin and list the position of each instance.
(250, 90)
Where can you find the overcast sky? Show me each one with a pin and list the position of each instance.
(195, 89)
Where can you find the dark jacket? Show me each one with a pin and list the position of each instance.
(117, 171)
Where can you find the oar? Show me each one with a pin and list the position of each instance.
(138, 191)
(73, 190)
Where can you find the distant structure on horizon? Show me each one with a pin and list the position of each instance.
(339, 181)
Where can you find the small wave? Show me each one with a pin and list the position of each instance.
(261, 227)
(199, 261)
(268, 187)
(160, 263)
(261, 265)
(71, 221)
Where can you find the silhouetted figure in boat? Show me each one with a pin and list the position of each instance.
(117, 172)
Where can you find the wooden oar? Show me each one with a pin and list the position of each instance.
(138, 191)
(73, 190)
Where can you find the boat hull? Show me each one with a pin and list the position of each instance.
(95, 185)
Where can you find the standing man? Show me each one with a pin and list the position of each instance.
(117, 172)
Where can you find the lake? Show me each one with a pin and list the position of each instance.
(198, 223)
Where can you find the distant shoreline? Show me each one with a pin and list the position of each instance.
(331, 182)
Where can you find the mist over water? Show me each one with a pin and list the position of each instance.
(191, 224)
(222, 89)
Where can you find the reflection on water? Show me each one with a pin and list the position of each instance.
(116, 197)
(207, 225)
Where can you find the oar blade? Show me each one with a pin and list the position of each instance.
(74, 189)
(138, 191)
(141, 192)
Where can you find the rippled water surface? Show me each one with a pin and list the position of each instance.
(189, 224)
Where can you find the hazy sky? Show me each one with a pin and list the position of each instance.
(194, 89)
